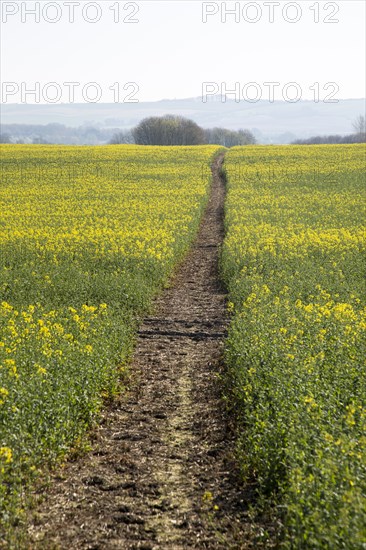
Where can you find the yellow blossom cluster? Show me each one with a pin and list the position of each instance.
(294, 262)
(88, 236)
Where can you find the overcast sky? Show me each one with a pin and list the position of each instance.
(170, 52)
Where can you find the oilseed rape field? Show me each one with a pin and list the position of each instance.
(88, 236)
(294, 261)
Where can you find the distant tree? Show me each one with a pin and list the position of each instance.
(59, 133)
(217, 136)
(168, 130)
(5, 138)
(246, 137)
(121, 137)
(359, 125)
(316, 140)
(229, 138)
(90, 135)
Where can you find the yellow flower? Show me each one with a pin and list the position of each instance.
(3, 394)
(6, 454)
(42, 370)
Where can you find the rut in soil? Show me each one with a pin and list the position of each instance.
(161, 472)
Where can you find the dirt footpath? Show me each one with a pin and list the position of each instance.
(161, 473)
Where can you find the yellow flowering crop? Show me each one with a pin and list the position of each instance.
(88, 235)
(294, 262)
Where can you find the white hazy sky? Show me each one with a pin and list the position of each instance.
(169, 52)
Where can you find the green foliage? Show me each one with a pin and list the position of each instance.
(88, 237)
(294, 261)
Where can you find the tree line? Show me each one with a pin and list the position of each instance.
(178, 130)
(55, 133)
(166, 130)
(359, 135)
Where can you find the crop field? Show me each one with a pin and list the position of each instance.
(88, 236)
(294, 263)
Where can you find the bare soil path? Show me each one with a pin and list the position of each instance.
(161, 473)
